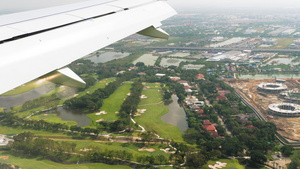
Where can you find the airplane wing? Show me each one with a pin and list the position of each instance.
(38, 42)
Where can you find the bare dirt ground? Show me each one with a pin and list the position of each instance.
(4, 157)
(287, 127)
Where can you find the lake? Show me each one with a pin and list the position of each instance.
(176, 115)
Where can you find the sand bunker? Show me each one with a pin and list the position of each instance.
(143, 97)
(218, 165)
(85, 149)
(75, 95)
(167, 150)
(141, 110)
(99, 120)
(117, 112)
(148, 87)
(137, 114)
(147, 149)
(45, 114)
(101, 112)
(4, 157)
(128, 94)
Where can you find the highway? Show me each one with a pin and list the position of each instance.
(222, 49)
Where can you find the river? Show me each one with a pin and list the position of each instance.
(176, 115)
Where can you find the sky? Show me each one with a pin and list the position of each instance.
(21, 5)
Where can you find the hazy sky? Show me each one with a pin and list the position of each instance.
(17, 5)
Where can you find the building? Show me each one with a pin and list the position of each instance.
(200, 76)
(211, 128)
(284, 109)
(272, 87)
(269, 41)
(160, 75)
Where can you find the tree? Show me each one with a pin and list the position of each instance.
(258, 156)
(139, 64)
(195, 160)
(287, 150)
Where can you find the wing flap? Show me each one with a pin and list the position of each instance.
(25, 59)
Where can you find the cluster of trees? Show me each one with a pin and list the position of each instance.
(46, 101)
(94, 101)
(158, 159)
(166, 94)
(131, 103)
(295, 164)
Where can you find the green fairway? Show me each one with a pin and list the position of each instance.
(112, 104)
(152, 85)
(151, 119)
(52, 118)
(32, 163)
(129, 147)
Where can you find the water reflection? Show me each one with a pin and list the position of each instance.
(176, 115)
(108, 56)
(20, 99)
(73, 115)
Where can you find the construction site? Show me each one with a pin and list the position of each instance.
(277, 101)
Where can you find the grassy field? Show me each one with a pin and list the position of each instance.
(112, 104)
(132, 148)
(151, 119)
(25, 88)
(52, 118)
(17, 130)
(283, 43)
(26, 163)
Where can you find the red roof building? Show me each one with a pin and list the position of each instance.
(206, 123)
(200, 76)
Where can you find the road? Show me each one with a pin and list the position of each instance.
(223, 49)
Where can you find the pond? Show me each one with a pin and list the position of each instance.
(74, 115)
(269, 76)
(108, 56)
(166, 62)
(176, 115)
(147, 59)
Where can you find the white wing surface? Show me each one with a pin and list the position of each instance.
(35, 43)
